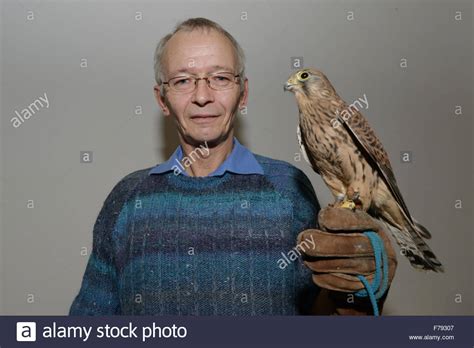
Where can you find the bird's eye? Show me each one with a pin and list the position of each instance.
(304, 76)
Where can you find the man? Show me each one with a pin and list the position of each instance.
(204, 233)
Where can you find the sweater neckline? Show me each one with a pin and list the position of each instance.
(196, 181)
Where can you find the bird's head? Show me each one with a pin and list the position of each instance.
(310, 83)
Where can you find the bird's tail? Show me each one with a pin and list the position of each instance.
(415, 248)
(422, 230)
(430, 261)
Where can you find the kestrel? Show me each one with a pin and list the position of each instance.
(340, 145)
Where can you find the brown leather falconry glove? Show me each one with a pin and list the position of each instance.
(340, 253)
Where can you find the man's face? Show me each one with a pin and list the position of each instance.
(200, 53)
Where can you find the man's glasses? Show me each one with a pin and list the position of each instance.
(218, 81)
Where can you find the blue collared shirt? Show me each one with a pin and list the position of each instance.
(240, 161)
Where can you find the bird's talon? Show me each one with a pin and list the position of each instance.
(348, 204)
(356, 196)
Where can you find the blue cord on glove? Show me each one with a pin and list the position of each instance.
(379, 253)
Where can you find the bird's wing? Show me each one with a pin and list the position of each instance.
(365, 139)
(302, 142)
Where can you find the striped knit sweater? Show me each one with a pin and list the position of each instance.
(178, 245)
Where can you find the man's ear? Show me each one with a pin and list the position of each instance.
(244, 95)
(161, 100)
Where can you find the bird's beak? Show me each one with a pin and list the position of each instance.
(289, 85)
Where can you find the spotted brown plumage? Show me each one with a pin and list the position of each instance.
(352, 162)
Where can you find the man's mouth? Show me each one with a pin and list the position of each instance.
(203, 118)
(203, 115)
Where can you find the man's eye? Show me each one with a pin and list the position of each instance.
(221, 78)
(182, 81)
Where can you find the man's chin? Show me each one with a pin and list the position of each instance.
(211, 140)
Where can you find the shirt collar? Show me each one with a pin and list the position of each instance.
(240, 161)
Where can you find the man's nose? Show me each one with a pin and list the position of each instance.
(203, 93)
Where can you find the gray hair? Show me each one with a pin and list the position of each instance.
(190, 25)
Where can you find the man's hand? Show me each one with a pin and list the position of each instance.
(341, 252)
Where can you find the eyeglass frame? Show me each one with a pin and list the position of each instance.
(206, 78)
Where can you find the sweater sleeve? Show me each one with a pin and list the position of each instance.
(306, 204)
(98, 294)
(305, 216)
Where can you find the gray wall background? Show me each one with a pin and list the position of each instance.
(93, 109)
